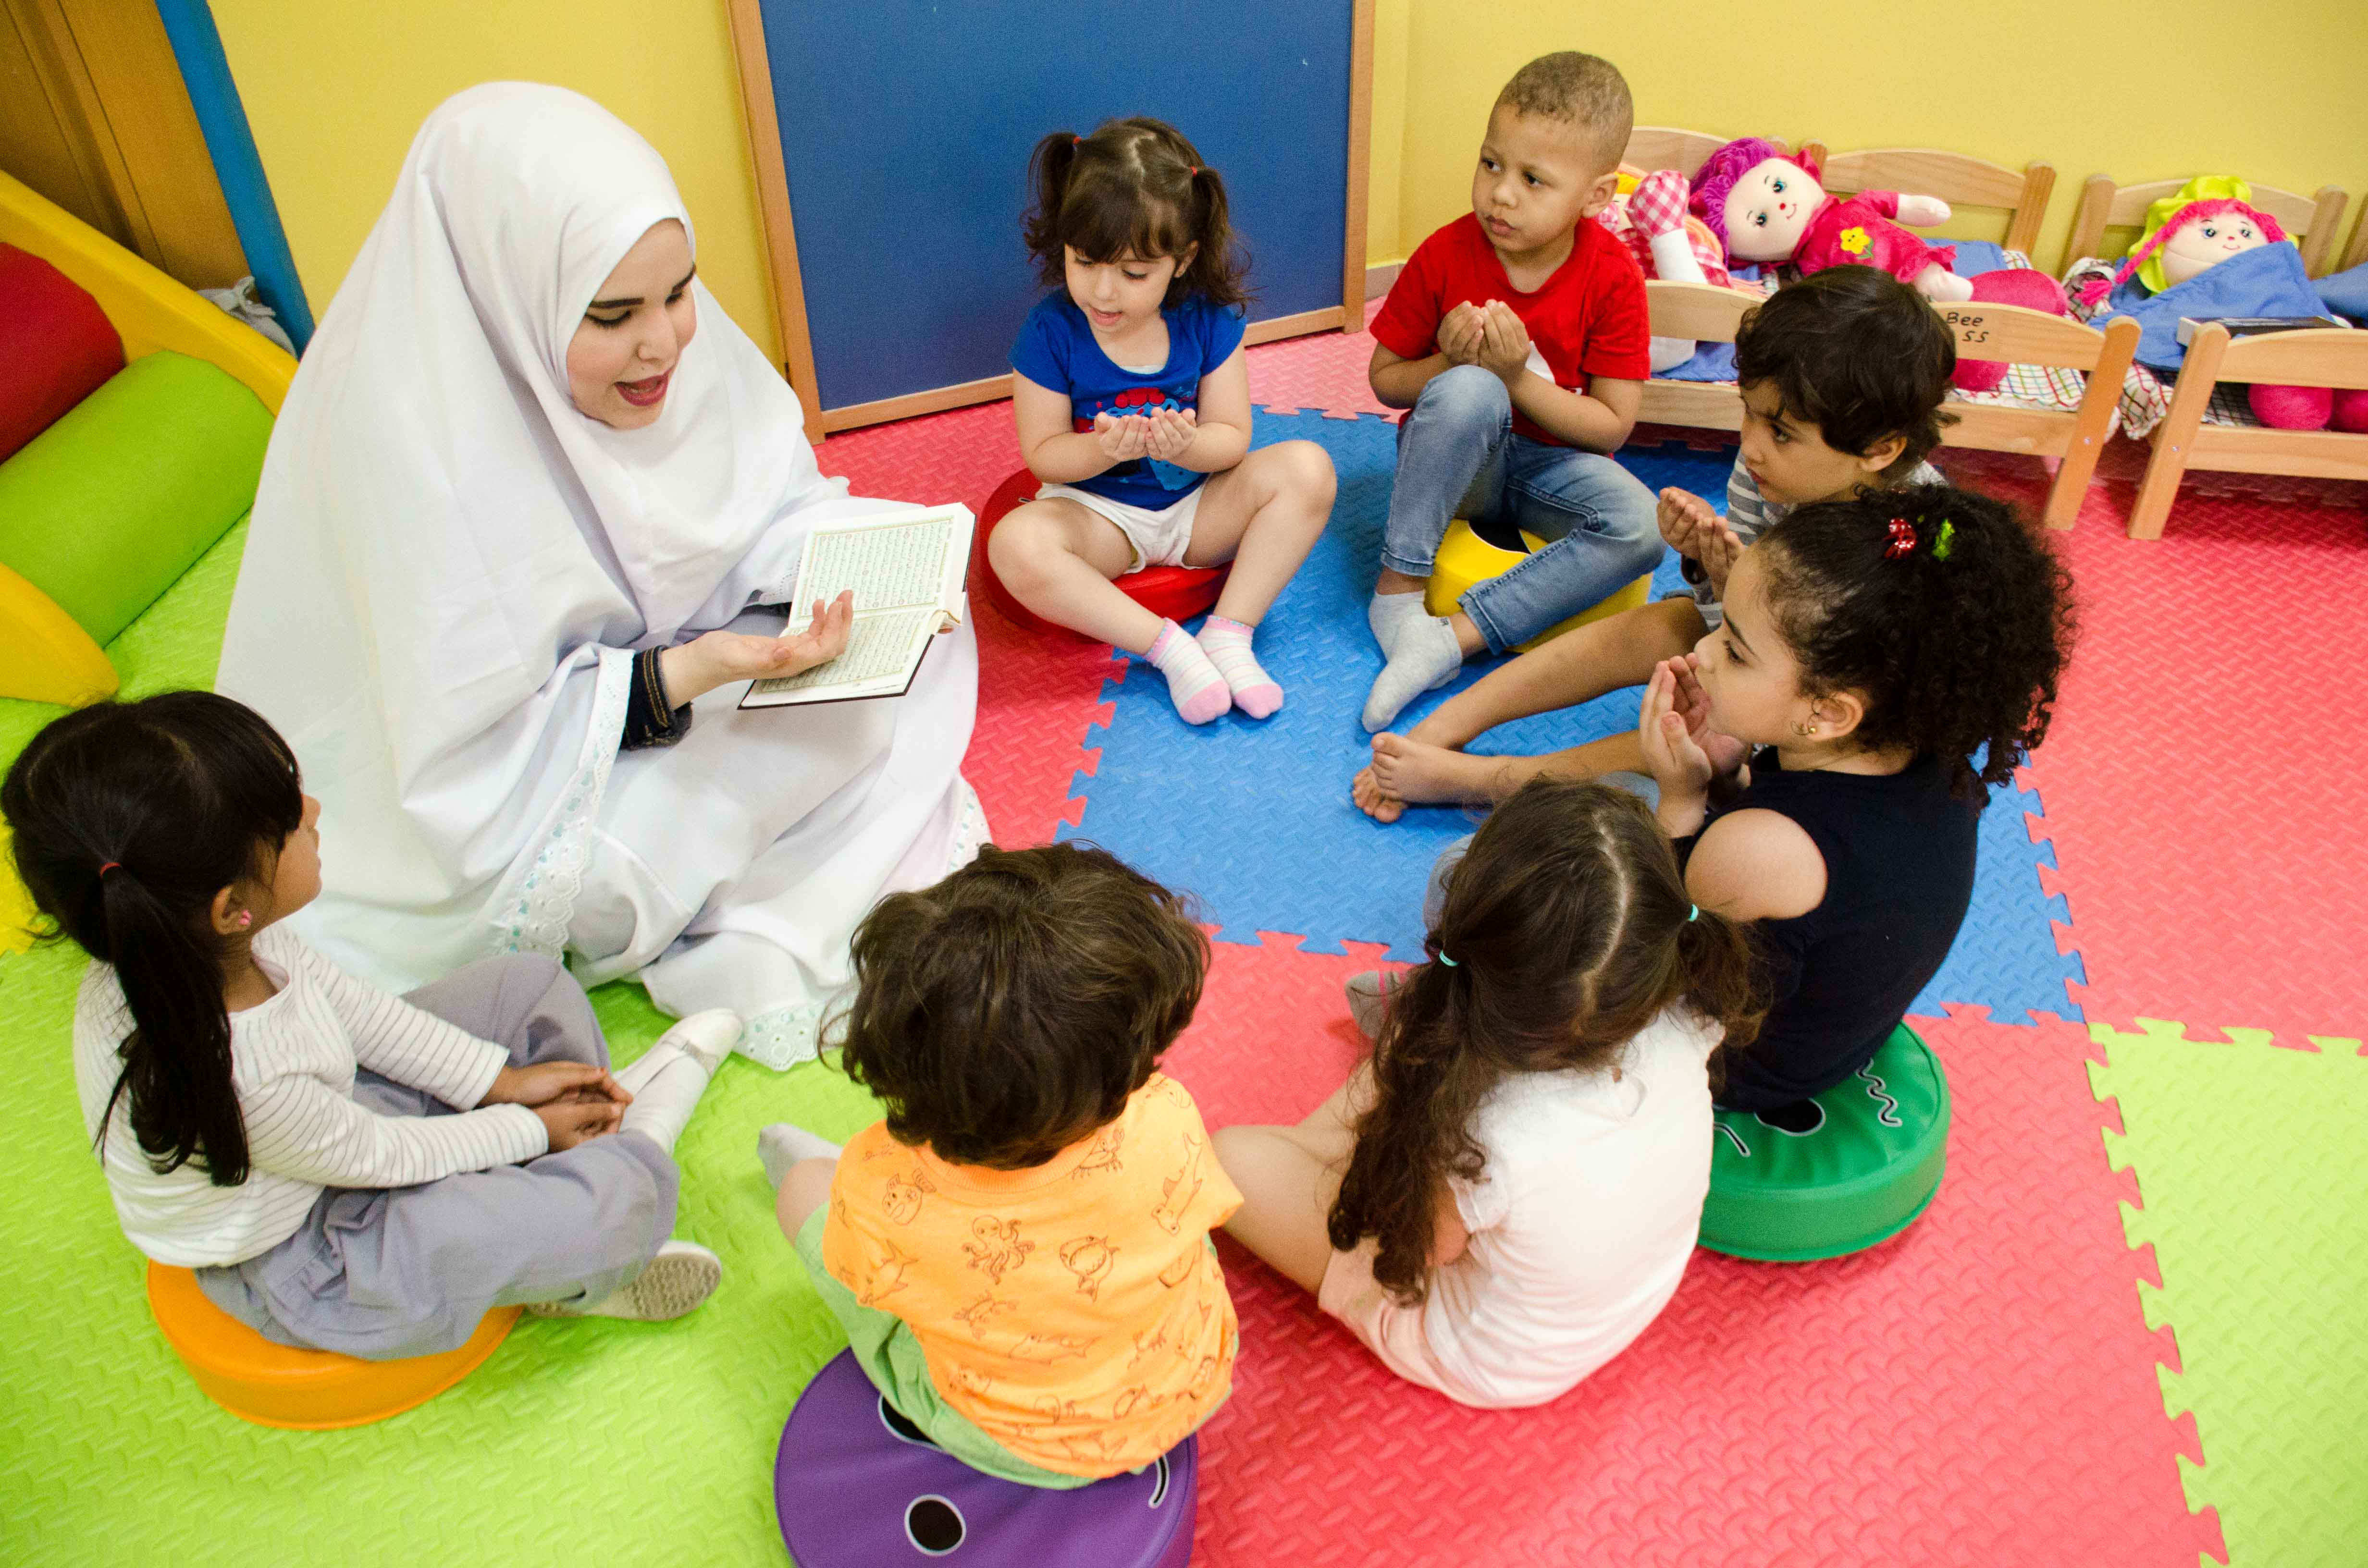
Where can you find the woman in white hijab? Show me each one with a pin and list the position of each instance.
(525, 498)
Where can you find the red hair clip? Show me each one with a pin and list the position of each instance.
(1903, 539)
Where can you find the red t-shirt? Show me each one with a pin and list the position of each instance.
(1588, 320)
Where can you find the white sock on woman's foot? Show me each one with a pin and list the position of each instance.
(661, 1106)
(781, 1146)
(1387, 614)
(1426, 658)
(1228, 644)
(1193, 684)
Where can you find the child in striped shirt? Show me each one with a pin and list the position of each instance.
(1843, 375)
(344, 1169)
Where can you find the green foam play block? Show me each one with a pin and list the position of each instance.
(105, 509)
(1869, 1167)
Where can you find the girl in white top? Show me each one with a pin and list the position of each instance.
(346, 1170)
(1507, 1194)
(532, 494)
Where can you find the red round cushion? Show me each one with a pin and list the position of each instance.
(1177, 592)
(58, 345)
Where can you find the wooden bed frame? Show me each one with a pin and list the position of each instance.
(2334, 357)
(1956, 178)
(1707, 314)
(2311, 221)
(2075, 435)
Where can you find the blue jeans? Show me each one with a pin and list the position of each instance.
(1458, 457)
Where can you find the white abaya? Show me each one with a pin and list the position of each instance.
(449, 569)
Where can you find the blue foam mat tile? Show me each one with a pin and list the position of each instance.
(1253, 818)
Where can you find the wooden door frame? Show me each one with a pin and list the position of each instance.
(789, 286)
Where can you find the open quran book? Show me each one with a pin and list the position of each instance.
(907, 570)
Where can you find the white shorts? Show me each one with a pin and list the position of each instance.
(1158, 539)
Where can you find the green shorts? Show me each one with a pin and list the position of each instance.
(891, 1356)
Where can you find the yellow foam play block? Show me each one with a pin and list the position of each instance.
(1464, 559)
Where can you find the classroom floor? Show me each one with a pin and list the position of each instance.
(2126, 1332)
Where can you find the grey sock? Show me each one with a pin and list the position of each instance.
(1388, 613)
(1426, 658)
(780, 1146)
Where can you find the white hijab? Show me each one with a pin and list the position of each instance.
(449, 564)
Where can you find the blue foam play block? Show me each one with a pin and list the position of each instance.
(1253, 818)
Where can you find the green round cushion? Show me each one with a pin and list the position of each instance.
(105, 508)
(1865, 1172)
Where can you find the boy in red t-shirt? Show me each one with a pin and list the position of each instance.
(1517, 334)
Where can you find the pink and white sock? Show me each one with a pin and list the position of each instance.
(1193, 683)
(1228, 644)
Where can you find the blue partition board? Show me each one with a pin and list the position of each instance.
(906, 129)
(1253, 818)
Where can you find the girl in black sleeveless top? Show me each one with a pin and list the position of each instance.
(1872, 648)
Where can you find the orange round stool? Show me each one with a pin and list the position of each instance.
(1177, 592)
(312, 1390)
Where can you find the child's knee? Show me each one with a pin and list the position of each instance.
(1465, 394)
(1307, 471)
(1023, 542)
(804, 1190)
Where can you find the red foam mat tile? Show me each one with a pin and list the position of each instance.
(2204, 778)
(1981, 1390)
(1037, 694)
(1323, 371)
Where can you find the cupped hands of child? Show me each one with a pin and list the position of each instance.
(1162, 434)
(1673, 725)
(721, 657)
(1694, 531)
(1489, 335)
(575, 1100)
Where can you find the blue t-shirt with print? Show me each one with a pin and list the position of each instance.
(1057, 351)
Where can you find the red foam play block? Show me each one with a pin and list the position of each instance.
(57, 344)
(1981, 1390)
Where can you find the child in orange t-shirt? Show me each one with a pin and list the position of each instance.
(1020, 1253)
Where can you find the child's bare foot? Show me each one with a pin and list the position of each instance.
(1421, 775)
(1371, 801)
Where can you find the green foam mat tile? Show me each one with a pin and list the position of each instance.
(2253, 1172)
(577, 1441)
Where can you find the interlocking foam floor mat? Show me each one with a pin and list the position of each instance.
(2190, 706)
(1980, 1390)
(1254, 817)
(2254, 1184)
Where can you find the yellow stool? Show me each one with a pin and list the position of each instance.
(1465, 558)
(312, 1390)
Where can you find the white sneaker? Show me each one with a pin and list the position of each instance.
(678, 1279)
(708, 1036)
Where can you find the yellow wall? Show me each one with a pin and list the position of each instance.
(2090, 88)
(336, 90)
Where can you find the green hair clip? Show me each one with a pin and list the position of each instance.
(1944, 541)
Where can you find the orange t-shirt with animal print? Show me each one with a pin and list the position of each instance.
(1075, 1312)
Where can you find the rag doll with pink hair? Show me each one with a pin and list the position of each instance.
(2207, 253)
(1769, 206)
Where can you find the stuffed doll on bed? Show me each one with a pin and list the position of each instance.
(2207, 253)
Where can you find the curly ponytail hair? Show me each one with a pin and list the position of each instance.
(1566, 929)
(1133, 187)
(1938, 607)
(128, 819)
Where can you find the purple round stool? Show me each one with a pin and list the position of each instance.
(857, 1486)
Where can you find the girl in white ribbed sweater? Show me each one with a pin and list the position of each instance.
(346, 1170)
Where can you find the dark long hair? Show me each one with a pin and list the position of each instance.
(128, 818)
(1134, 187)
(1958, 642)
(1569, 930)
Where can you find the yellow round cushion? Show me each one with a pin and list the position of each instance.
(1464, 559)
(312, 1390)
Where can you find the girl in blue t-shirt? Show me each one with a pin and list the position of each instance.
(1134, 403)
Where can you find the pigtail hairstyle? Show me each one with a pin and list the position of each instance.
(1939, 607)
(128, 819)
(1014, 1006)
(1133, 187)
(1565, 930)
